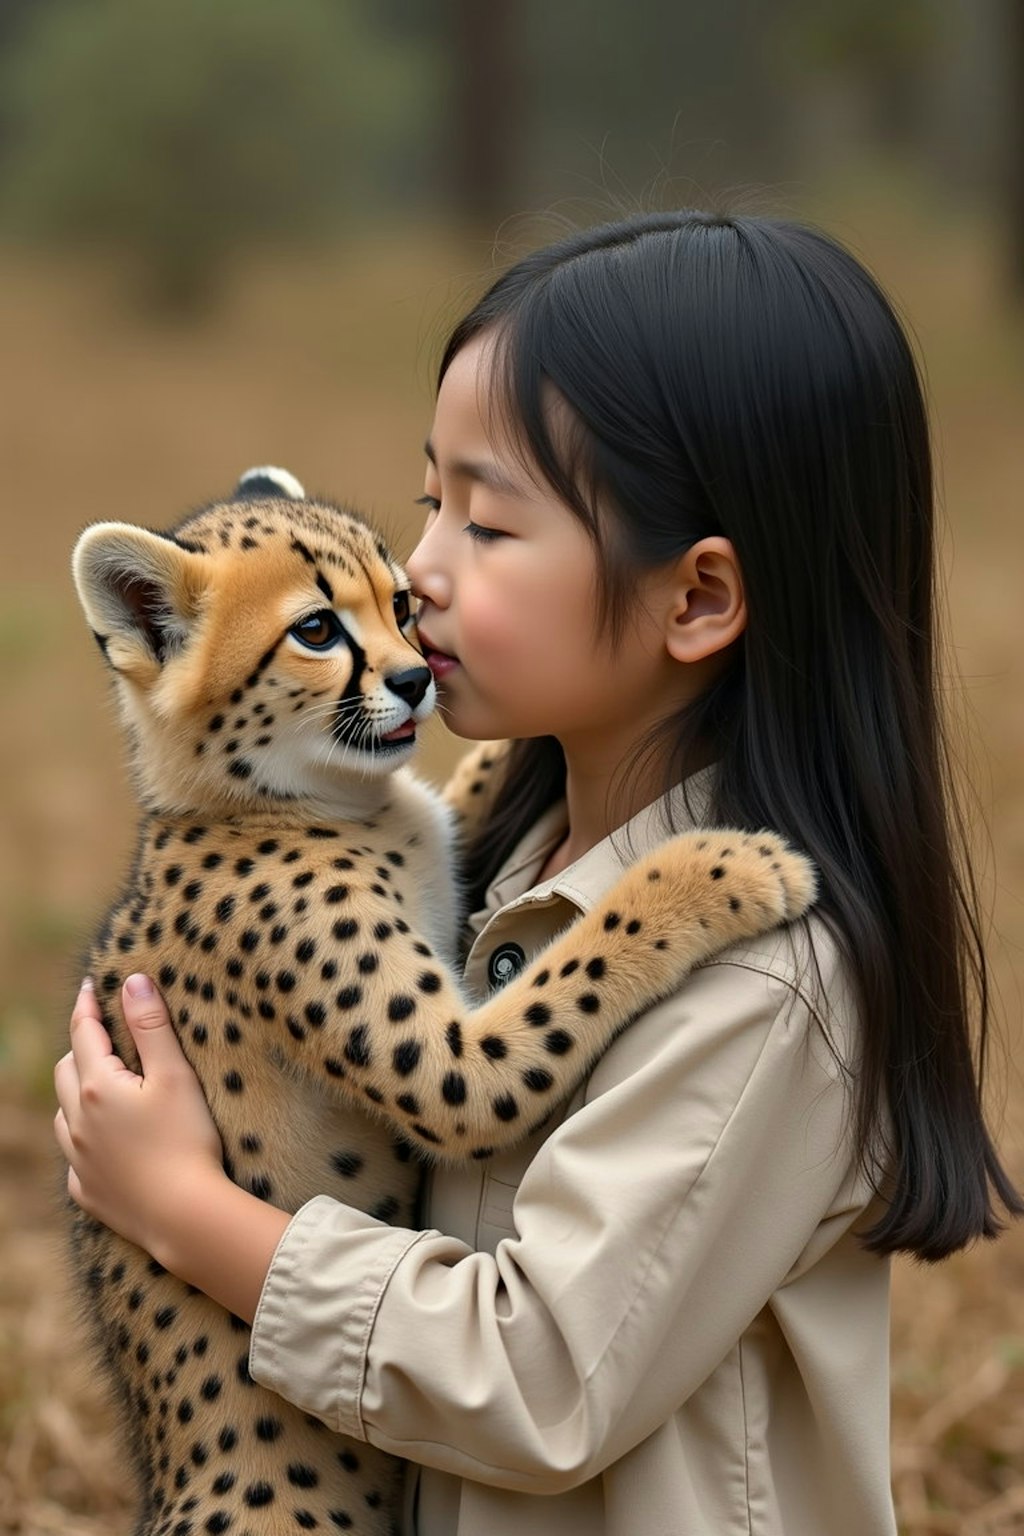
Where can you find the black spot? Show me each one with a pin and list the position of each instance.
(348, 1164)
(429, 982)
(305, 1519)
(634, 925)
(382, 931)
(541, 979)
(211, 1389)
(426, 1135)
(336, 893)
(506, 1107)
(339, 1518)
(268, 1429)
(328, 970)
(408, 1103)
(612, 921)
(223, 1482)
(244, 866)
(228, 1438)
(261, 1187)
(537, 1079)
(136, 1299)
(163, 1318)
(538, 1014)
(400, 1007)
(347, 928)
(154, 933)
(167, 975)
(569, 967)
(596, 969)
(185, 1411)
(305, 951)
(240, 768)
(316, 1015)
(453, 1034)
(285, 981)
(216, 722)
(717, 872)
(588, 1002)
(269, 844)
(234, 967)
(453, 1088)
(224, 909)
(348, 998)
(233, 1082)
(301, 1476)
(367, 963)
(357, 1049)
(232, 1033)
(735, 903)
(494, 1047)
(258, 1494)
(212, 860)
(349, 1460)
(193, 890)
(406, 1058)
(172, 874)
(200, 1455)
(249, 940)
(558, 1042)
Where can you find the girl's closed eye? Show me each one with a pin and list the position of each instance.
(481, 534)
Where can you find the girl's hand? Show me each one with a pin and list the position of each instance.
(140, 1149)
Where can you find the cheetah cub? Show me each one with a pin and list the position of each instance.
(292, 891)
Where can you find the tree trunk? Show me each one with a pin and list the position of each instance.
(486, 108)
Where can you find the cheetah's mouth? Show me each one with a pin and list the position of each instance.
(401, 735)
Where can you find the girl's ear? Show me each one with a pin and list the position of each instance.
(141, 594)
(708, 608)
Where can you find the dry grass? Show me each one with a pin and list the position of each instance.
(324, 367)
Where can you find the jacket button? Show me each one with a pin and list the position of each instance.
(505, 964)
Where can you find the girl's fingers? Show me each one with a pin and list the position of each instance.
(146, 1015)
(90, 1042)
(63, 1135)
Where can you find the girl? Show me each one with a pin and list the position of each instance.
(679, 548)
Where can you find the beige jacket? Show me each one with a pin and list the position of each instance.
(654, 1318)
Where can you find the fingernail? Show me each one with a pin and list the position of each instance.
(139, 986)
(87, 984)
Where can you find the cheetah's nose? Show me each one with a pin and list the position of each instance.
(411, 684)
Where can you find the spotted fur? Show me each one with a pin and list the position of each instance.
(292, 892)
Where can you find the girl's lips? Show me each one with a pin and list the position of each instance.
(439, 662)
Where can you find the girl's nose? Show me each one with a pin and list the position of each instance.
(428, 572)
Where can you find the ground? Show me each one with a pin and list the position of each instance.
(324, 366)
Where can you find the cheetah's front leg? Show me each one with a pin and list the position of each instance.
(463, 1084)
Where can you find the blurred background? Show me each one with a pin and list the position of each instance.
(233, 232)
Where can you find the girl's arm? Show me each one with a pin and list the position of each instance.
(710, 1175)
(145, 1158)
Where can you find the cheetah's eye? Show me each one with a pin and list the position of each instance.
(319, 631)
(403, 609)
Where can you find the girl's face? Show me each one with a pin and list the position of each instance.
(508, 581)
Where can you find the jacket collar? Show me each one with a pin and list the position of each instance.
(585, 882)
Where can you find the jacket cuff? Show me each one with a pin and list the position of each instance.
(318, 1307)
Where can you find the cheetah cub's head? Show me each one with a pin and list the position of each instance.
(263, 650)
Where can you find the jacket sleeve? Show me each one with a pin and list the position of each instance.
(710, 1163)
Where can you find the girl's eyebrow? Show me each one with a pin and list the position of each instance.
(485, 471)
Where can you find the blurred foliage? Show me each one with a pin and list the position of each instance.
(864, 34)
(178, 132)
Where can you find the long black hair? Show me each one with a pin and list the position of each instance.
(746, 377)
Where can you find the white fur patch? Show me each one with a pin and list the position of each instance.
(282, 478)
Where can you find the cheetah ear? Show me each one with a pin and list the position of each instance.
(141, 592)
